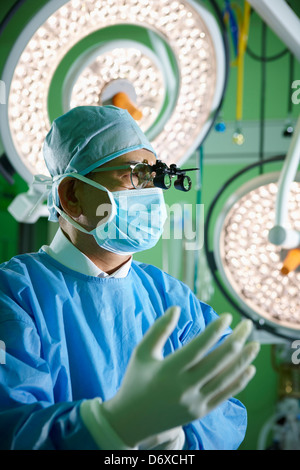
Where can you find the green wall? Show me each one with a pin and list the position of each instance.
(261, 394)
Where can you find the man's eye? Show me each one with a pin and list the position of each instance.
(134, 178)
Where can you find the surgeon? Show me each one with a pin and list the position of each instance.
(101, 351)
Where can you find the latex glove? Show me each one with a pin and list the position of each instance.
(158, 394)
(173, 439)
(106, 438)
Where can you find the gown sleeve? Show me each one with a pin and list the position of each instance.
(36, 410)
(222, 429)
(29, 416)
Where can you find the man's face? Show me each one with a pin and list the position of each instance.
(119, 180)
(88, 199)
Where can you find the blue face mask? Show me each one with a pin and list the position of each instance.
(135, 222)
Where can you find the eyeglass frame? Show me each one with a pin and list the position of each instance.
(163, 170)
(123, 167)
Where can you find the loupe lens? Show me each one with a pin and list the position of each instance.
(162, 181)
(140, 176)
(183, 183)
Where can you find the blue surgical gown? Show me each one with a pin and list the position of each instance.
(69, 337)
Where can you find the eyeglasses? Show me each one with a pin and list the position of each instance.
(140, 175)
(159, 175)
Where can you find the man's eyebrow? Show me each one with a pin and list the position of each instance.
(134, 162)
(128, 163)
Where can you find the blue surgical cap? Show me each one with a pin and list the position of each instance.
(85, 138)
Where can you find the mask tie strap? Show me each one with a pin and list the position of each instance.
(91, 183)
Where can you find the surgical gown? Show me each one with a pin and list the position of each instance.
(69, 337)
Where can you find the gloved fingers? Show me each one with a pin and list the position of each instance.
(231, 373)
(161, 438)
(194, 351)
(236, 387)
(219, 358)
(156, 337)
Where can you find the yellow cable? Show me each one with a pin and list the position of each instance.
(243, 40)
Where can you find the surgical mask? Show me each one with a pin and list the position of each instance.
(135, 222)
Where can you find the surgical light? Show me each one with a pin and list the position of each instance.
(127, 66)
(249, 264)
(176, 80)
(258, 270)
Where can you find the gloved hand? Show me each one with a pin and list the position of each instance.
(159, 393)
(173, 439)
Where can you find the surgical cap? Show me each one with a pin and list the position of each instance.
(85, 138)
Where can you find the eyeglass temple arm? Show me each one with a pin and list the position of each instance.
(190, 169)
(172, 170)
(159, 166)
(122, 167)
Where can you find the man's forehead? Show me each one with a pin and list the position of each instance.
(131, 157)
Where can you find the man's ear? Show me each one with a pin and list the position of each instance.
(68, 196)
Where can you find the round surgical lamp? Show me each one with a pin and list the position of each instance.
(168, 58)
(246, 265)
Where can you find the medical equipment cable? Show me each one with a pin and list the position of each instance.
(263, 57)
(224, 35)
(266, 59)
(263, 95)
(242, 44)
(11, 12)
(199, 179)
(230, 18)
(278, 55)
